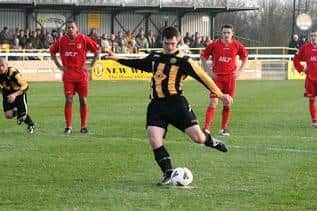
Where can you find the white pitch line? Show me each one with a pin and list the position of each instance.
(276, 149)
(277, 137)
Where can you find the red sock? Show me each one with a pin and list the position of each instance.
(225, 116)
(313, 110)
(68, 114)
(209, 117)
(83, 115)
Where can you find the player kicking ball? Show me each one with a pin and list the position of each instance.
(14, 89)
(167, 104)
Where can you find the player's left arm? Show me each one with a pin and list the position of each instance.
(194, 70)
(23, 87)
(243, 56)
(93, 47)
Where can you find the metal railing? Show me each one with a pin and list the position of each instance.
(254, 52)
(153, 3)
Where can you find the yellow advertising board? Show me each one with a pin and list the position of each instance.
(292, 74)
(112, 70)
(93, 20)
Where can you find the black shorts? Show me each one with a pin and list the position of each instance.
(20, 104)
(173, 110)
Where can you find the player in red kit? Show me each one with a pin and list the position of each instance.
(224, 72)
(308, 54)
(72, 49)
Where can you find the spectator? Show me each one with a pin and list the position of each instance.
(119, 36)
(44, 43)
(35, 40)
(302, 40)
(93, 35)
(113, 43)
(206, 41)
(196, 43)
(187, 38)
(104, 43)
(54, 35)
(15, 47)
(151, 39)
(294, 43)
(141, 41)
(5, 36)
(132, 48)
(22, 39)
(129, 36)
(183, 47)
(122, 46)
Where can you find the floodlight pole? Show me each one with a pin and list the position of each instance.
(294, 11)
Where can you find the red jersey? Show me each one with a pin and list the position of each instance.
(73, 54)
(224, 56)
(308, 54)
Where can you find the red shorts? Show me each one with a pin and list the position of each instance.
(227, 85)
(310, 88)
(71, 87)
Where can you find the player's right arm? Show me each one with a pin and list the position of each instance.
(54, 49)
(144, 64)
(299, 56)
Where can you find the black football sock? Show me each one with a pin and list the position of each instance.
(28, 121)
(209, 142)
(163, 159)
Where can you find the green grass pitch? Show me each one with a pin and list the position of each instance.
(271, 163)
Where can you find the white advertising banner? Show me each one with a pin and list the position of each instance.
(50, 20)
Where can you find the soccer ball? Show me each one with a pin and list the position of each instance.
(181, 176)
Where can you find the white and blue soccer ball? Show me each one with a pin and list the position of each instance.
(181, 176)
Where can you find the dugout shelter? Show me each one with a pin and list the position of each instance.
(111, 16)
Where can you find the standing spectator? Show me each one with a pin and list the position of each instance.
(183, 47)
(294, 43)
(113, 43)
(44, 43)
(141, 41)
(122, 46)
(187, 38)
(5, 36)
(73, 48)
(302, 40)
(54, 35)
(15, 47)
(93, 35)
(132, 48)
(35, 40)
(104, 43)
(119, 36)
(129, 36)
(151, 39)
(308, 54)
(206, 41)
(224, 71)
(23, 39)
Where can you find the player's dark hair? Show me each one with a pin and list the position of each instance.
(227, 26)
(70, 21)
(170, 32)
(314, 30)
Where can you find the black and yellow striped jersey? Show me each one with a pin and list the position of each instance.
(169, 72)
(12, 81)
